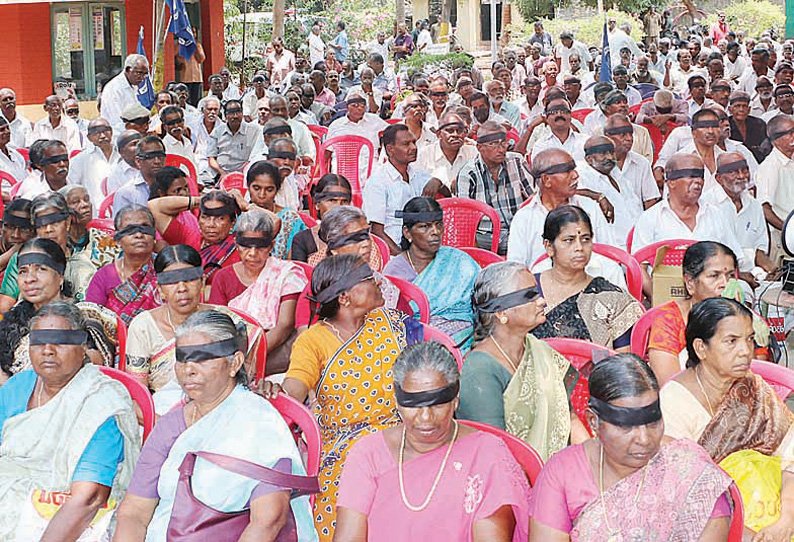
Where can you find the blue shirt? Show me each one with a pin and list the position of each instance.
(343, 46)
(105, 450)
(135, 191)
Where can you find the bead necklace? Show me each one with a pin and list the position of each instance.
(513, 365)
(613, 534)
(421, 507)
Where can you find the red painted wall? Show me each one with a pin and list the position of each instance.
(26, 50)
(212, 36)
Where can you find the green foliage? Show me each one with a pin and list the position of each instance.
(434, 64)
(588, 30)
(753, 16)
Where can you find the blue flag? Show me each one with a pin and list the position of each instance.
(145, 92)
(180, 27)
(606, 61)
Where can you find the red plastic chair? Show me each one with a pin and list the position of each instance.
(320, 131)
(234, 180)
(634, 109)
(629, 239)
(641, 332)
(633, 271)
(580, 114)
(303, 308)
(25, 154)
(411, 292)
(74, 153)
(777, 376)
(103, 224)
(347, 150)
(6, 176)
(461, 218)
(188, 167)
(139, 394)
(307, 220)
(525, 455)
(307, 269)
(737, 519)
(483, 257)
(383, 248)
(103, 187)
(106, 207)
(430, 333)
(395, 121)
(512, 136)
(674, 256)
(261, 349)
(121, 346)
(658, 138)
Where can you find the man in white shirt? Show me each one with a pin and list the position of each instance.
(529, 105)
(300, 132)
(392, 184)
(72, 109)
(697, 94)
(51, 169)
(676, 77)
(735, 64)
(784, 102)
(573, 91)
(759, 60)
(630, 165)
(20, 126)
(561, 135)
(620, 38)
(379, 45)
(200, 135)
(621, 76)
(446, 157)
(316, 46)
(56, 126)
(125, 169)
(94, 163)
(360, 123)
(567, 47)
(122, 91)
(280, 62)
(775, 179)
(11, 161)
(762, 102)
(230, 90)
(175, 140)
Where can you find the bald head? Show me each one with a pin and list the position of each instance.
(555, 174)
(683, 161)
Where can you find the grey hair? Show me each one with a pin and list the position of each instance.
(132, 60)
(48, 200)
(69, 188)
(63, 309)
(494, 280)
(129, 209)
(774, 124)
(257, 221)
(335, 220)
(217, 326)
(206, 99)
(426, 356)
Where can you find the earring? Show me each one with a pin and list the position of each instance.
(503, 319)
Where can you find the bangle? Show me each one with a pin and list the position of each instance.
(601, 197)
(189, 202)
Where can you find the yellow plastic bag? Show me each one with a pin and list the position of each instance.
(759, 478)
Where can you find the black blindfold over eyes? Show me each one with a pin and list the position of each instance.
(617, 130)
(331, 194)
(40, 258)
(17, 221)
(685, 173)
(335, 289)
(252, 242)
(557, 109)
(498, 136)
(420, 217)
(282, 154)
(625, 416)
(176, 276)
(738, 99)
(50, 218)
(132, 229)
(565, 167)
(50, 160)
(706, 124)
(721, 87)
(151, 155)
(274, 130)
(224, 210)
(458, 125)
(508, 301)
(733, 166)
(98, 129)
(205, 352)
(596, 149)
(440, 396)
(349, 239)
(777, 135)
(58, 336)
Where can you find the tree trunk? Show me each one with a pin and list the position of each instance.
(399, 11)
(506, 21)
(446, 10)
(278, 18)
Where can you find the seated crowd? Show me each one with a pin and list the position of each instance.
(178, 289)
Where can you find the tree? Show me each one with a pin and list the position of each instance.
(278, 18)
(399, 11)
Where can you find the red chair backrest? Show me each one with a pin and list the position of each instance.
(261, 349)
(674, 256)
(580, 114)
(658, 138)
(633, 271)
(121, 346)
(461, 218)
(303, 307)
(431, 333)
(104, 224)
(525, 455)
(737, 519)
(188, 167)
(307, 220)
(629, 239)
(780, 378)
(106, 207)
(233, 180)
(74, 153)
(6, 176)
(641, 332)
(411, 292)
(347, 151)
(512, 136)
(394, 121)
(139, 394)
(319, 131)
(483, 257)
(383, 248)
(25, 154)
(634, 109)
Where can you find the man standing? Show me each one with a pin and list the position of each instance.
(653, 26)
(149, 159)
(192, 75)
(316, 46)
(93, 165)
(568, 47)
(280, 62)
(446, 157)
(542, 38)
(620, 38)
(719, 30)
(403, 45)
(379, 45)
(56, 126)
(122, 91)
(340, 44)
(231, 143)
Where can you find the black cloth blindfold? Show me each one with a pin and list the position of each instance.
(224, 210)
(617, 98)
(458, 125)
(331, 194)
(508, 301)
(664, 110)
(681, 173)
(58, 336)
(150, 155)
(335, 289)
(777, 135)
(625, 416)
(349, 239)
(705, 124)
(132, 229)
(252, 242)
(565, 167)
(596, 149)
(497, 136)
(50, 218)
(98, 130)
(739, 99)
(721, 87)
(355, 99)
(176, 276)
(282, 154)
(617, 130)
(204, 352)
(54, 159)
(419, 218)
(126, 140)
(273, 130)
(40, 258)
(440, 396)
(17, 221)
(557, 109)
(738, 165)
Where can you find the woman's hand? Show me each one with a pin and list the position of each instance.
(240, 199)
(268, 389)
(780, 531)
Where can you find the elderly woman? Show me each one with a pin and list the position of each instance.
(264, 181)
(346, 360)
(67, 431)
(429, 265)
(507, 360)
(262, 285)
(721, 404)
(580, 306)
(451, 482)
(52, 219)
(218, 212)
(331, 191)
(150, 340)
(624, 481)
(171, 181)
(127, 286)
(221, 416)
(97, 245)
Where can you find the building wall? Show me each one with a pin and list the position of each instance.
(26, 50)
(213, 39)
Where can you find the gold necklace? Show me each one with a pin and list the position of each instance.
(168, 317)
(613, 534)
(410, 261)
(513, 365)
(333, 328)
(40, 391)
(703, 391)
(421, 507)
(193, 416)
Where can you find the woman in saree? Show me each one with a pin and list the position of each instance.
(624, 484)
(721, 404)
(218, 213)
(127, 286)
(150, 339)
(331, 191)
(262, 285)
(171, 181)
(579, 306)
(67, 431)
(221, 416)
(431, 477)
(264, 181)
(510, 379)
(429, 265)
(345, 361)
(98, 246)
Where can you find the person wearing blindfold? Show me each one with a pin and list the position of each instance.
(773, 194)
(71, 408)
(125, 169)
(329, 192)
(720, 403)
(784, 100)
(663, 109)
(625, 480)
(283, 153)
(56, 126)
(762, 101)
(561, 134)
(49, 160)
(747, 129)
(16, 230)
(149, 159)
(95, 163)
(507, 358)
(431, 493)
(175, 135)
(220, 416)
(94, 243)
(705, 136)
(445, 158)
(11, 160)
(630, 165)
(262, 285)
